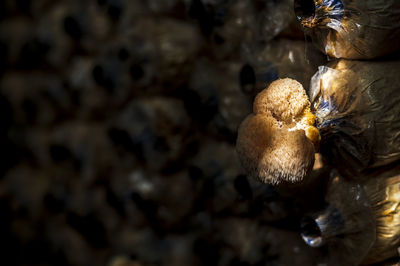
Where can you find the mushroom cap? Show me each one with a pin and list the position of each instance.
(285, 99)
(273, 154)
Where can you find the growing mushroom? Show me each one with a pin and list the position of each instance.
(277, 143)
(354, 114)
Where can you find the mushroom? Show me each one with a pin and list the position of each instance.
(354, 107)
(277, 143)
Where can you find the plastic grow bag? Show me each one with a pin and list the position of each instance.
(357, 106)
(351, 29)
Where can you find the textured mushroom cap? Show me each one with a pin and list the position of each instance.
(285, 99)
(268, 151)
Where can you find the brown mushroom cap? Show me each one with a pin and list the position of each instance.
(277, 143)
(285, 99)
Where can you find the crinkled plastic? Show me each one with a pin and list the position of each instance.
(357, 105)
(351, 29)
(361, 222)
(345, 227)
(384, 195)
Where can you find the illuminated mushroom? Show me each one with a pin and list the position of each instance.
(353, 117)
(277, 143)
(357, 117)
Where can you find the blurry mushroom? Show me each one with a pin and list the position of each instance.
(289, 58)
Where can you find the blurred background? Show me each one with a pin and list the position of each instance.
(119, 127)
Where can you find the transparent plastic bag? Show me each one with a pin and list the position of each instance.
(351, 29)
(360, 223)
(345, 228)
(358, 114)
(384, 196)
(284, 58)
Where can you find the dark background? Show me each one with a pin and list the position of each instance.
(119, 122)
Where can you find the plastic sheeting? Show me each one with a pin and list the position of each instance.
(345, 227)
(351, 29)
(361, 221)
(358, 114)
(284, 58)
(384, 196)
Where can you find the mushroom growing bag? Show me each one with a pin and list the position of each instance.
(357, 109)
(352, 29)
(360, 223)
(384, 197)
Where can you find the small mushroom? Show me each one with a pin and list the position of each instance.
(278, 142)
